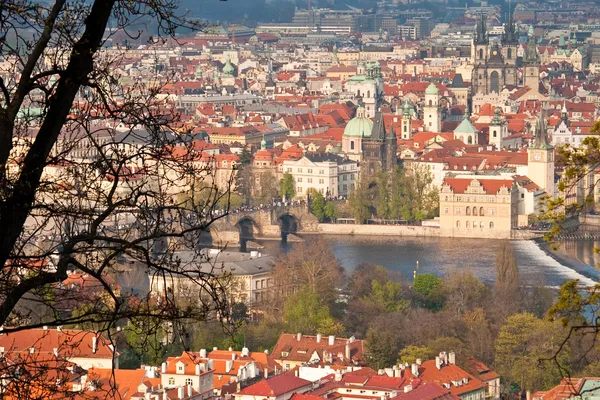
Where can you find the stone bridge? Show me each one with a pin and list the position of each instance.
(279, 222)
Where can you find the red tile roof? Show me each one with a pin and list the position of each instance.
(460, 381)
(303, 349)
(491, 186)
(427, 391)
(276, 386)
(68, 343)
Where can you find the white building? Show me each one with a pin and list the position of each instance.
(326, 173)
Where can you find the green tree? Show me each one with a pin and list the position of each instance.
(243, 176)
(429, 290)
(303, 312)
(269, 188)
(150, 348)
(360, 205)
(413, 197)
(388, 296)
(379, 348)
(524, 351)
(331, 211)
(286, 186)
(382, 195)
(411, 353)
(317, 205)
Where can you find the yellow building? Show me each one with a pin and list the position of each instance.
(478, 207)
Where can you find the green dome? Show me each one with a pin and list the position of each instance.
(359, 126)
(432, 89)
(228, 68)
(466, 126)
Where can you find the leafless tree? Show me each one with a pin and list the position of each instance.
(91, 170)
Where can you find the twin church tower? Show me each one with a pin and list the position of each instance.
(495, 65)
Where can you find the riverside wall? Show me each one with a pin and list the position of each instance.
(378, 230)
(416, 231)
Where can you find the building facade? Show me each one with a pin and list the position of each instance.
(478, 207)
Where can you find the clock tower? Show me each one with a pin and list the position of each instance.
(540, 165)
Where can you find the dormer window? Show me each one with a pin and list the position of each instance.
(285, 354)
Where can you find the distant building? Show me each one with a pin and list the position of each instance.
(478, 207)
(292, 350)
(328, 174)
(494, 66)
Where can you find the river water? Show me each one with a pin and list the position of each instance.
(538, 265)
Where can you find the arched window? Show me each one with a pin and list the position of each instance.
(474, 210)
(481, 212)
(358, 92)
(494, 133)
(470, 140)
(458, 224)
(495, 82)
(468, 211)
(491, 225)
(405, 128)
(352, 145)
(481, 224)
(509, 53)
(430, 102)
(467, 224)
(481, 54)
(368, 94)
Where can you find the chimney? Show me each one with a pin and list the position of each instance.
(443, 357)
(232, 355)
(245, 352)
(32, 350)
(407, 388)
(215, 348)
(198, 369)
(318, 338)
(163, 368)
(54, 351)
(45, 327)
(338, 376)
(414, 369)
(189, 390)
(331, 340)
(266, 371)
(299, 336)
(94, 344)
(230, 349)
(438, 362)
(202, 353)
(451, 358)
(228, 365)
(181, 392)
(347, 353)
(59, 328)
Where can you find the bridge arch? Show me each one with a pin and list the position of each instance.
(248, 229)
(288, 224)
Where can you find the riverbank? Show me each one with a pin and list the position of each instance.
(416, 231)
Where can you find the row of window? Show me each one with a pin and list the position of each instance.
(321, 181)
(487, 199)
(476, 225)
(471, 211)
(308, 170)
(299, 189)
(188, 381)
